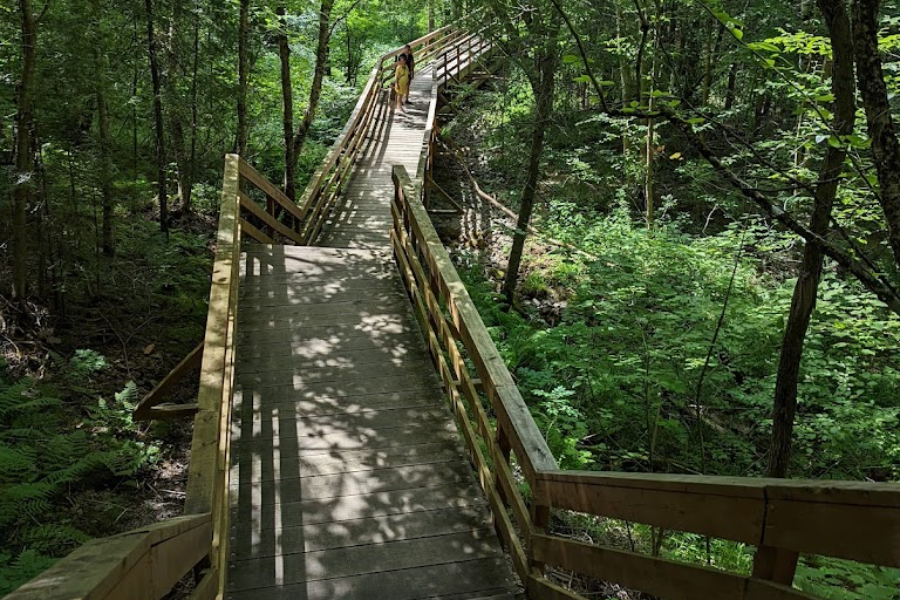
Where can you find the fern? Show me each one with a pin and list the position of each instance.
(48, 449)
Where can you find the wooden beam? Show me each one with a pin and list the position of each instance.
(143, 412)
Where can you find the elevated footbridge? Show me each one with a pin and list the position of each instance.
(358, 436)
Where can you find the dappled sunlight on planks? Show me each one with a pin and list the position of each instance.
(348, 475)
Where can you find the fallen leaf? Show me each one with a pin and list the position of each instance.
(149, 349)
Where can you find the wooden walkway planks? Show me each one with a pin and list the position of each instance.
(349, 480)
(362, 216)
(348, 477)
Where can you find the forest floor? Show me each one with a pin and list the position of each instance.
(125, 324)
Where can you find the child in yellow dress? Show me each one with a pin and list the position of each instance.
(401, 82)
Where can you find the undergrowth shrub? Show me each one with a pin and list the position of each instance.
(51, 449)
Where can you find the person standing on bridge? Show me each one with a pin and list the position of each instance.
(411, 63)
(401, 82)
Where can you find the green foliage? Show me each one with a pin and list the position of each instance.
(48, 450)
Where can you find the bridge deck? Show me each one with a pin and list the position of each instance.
(350, 478)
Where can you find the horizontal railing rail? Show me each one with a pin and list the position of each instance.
(143, 564)
(781, 518)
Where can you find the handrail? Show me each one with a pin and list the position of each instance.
(850, 520)
(147, 562)
(143, 564)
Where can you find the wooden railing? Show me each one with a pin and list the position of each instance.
(782, 518)
(452, 67)
(146, 563)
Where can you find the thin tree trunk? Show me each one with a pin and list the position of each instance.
(192, 162)
(161, 160)
(315, 92)
(545, 80)
(23, 186)
(243, 73)
(176, 107)
(882, 130)
(732, 83)
(431, 26)
(287, 99)
(106, 168)
(803, 302)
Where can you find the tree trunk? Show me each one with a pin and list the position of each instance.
(287, 99)
(882, 131)
(192, 161)
(23, 184)
(176, 107)
(803, 302)
(161, 160)
(431, 26)
(543, 84)
(103, 142)
(243, 71)
(732, 84)
(315, 92)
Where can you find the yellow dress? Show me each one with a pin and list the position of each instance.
(402, 80)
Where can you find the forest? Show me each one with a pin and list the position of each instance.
(680, 224)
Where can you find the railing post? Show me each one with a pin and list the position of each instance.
(540, 519)
(775, 564)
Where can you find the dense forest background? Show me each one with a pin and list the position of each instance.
(696, 272)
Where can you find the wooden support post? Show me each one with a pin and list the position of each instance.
(505, 448)
(540, 519)
(270, 208)
(775, 564)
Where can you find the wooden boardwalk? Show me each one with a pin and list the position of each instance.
(349, 477)
(362, 217)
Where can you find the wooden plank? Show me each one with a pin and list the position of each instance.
(300, 538)
(538, 588)
(723, 509)
(355, 483)
(655, 576)
(207, 589)
(89, 572)
(204, 442)
(173, 558)
(254, 468)
(472, 578)
(157, 395)
(867, 534)
(257, 179)
(251, 230)
(380, 504)
(352, 561)
(268, 219)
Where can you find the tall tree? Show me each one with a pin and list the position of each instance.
(243, 78)
(104, 140)
(315, 90)
(159, 122)
(287, 102)
(23, 186)
(803, 302)
(876, 102)
(534, 49)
